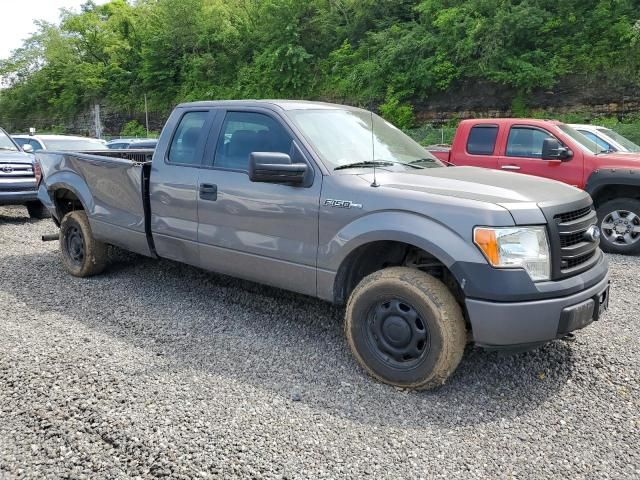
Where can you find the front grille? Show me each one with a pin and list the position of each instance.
(571, 239)
(16, 170)
(571, 216)
(576, 252)
(574, 262)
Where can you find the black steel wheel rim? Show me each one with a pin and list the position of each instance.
(74, 245)
(397, 333)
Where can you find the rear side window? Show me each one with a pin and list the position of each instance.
(482, 139)
(246, 132)
(184, 146)
(526, 142)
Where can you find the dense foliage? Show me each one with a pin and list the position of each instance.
(388, 53)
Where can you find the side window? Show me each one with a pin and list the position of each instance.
(526, 142)
(185, 141)
(594, 138)
(35, 144)
(21, 141)
(482, 139)
(246, 132)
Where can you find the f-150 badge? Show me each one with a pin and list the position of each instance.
(329, 202)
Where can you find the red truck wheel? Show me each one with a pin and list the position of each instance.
(620, 226)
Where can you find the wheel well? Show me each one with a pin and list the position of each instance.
(66, 201)
(615, 191)
(375, 256)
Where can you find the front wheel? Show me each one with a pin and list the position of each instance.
(620, 226)
(37, 210)
(405, 328)
(82, 255)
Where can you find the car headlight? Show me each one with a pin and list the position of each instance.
(516, 247)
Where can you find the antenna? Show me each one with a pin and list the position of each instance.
(373, 154)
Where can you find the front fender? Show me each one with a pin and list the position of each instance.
(445, 244)
(605, 177)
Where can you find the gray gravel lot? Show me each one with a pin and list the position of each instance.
(158, 369)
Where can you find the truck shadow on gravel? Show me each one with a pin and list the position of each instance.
(275, 340)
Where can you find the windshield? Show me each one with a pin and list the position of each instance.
(584, 142)
(624, 142)
(343, 137)
(6, 143)
(74, 144)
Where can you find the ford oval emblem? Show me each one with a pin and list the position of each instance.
(592, 234)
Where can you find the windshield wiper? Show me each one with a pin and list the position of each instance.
(374, 163)
(429, 160)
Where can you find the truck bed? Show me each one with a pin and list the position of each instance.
(111, 186)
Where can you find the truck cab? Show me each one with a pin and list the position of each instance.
(554, 150)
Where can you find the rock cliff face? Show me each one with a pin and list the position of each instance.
(596, 97)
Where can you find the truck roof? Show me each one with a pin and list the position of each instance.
(283, 104)
(511, 121)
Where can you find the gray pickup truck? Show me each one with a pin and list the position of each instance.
(334, 202)
(19, 177)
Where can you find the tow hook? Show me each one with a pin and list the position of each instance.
(52, 237)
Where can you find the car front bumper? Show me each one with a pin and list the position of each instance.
(528, 323)
(18, 198)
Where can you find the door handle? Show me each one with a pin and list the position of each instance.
(510, 167)
(208, 191)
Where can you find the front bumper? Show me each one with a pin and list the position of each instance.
(517, 324)
(18, 198)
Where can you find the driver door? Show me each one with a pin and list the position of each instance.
(265, 232)
(523, 154)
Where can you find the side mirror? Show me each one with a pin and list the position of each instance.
(552, 149)
(27, 148)
(273, 167)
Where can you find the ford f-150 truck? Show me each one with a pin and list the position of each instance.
(19, 178)
(334, 202)
(552, 149)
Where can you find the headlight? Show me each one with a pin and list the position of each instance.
(516, 247)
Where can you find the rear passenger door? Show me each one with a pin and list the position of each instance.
(523, 154)
(479, 150)
(266, 232)
(174, 185)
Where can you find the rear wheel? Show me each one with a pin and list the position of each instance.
(620, 226)
(82, 255)
(37, 210)
(405, 328)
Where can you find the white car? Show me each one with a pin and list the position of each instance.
(60, 142)
(607, 138)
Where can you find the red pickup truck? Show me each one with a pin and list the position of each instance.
(552, 149)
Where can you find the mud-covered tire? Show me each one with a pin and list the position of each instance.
(37, 210)
(620, 210)
(82, 255)
(389, 312)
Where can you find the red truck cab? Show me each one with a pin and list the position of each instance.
(552, 149)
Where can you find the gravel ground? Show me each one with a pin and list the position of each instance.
(158, 369)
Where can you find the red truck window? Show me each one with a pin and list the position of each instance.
(526, 142)
(482, 139)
